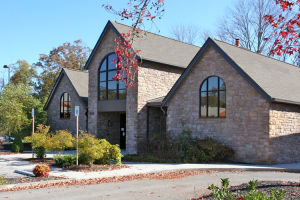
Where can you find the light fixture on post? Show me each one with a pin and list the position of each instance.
(7, 67)
(109, 123)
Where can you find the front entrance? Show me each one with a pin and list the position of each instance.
(123, 131)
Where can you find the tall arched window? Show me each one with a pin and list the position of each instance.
(213, 97)
(65, 105)
(110, 89)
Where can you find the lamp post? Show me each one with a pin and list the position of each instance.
(6, 66)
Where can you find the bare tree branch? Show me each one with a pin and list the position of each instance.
(188, 33)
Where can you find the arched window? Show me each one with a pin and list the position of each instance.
(110, 89)
(65, 105)
(213, 97)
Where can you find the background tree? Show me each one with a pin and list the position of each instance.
(72, 56)
(16, 102)
(245, 21)
(188, 33)
(23, 73)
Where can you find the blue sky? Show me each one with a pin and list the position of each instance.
(33, 27)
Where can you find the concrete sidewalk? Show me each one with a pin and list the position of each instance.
(10, 163)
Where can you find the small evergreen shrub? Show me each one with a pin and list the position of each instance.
(17, 145)
(41, 171)
(65, 161)
(40, 152)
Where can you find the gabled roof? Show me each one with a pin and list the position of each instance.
(275, 80)
(155, 48)
(79, 81)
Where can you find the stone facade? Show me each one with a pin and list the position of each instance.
(110, 133)
(153, 81)
(53, 109)
(157, 121)
(246, 125)
(284, 133)
(107, 46)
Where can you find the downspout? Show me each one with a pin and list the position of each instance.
(148, 108)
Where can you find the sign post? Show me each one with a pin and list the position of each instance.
(77, 114)
(32, 114)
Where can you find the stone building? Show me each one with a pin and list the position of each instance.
(70, 90)
(240, 98)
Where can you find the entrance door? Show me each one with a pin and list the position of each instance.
(123, 131)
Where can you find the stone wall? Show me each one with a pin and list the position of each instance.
(156, 121)
(107, 46)
(246, 125)
(284, 133)
(154, 80)
(53, 109)
(110, 133)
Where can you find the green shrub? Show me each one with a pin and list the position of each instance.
(65, 160)
(3, 182)
(111, 153)
(40, 152)
(83, 159)
(98, 150)
(208, 150)
(223, 193)
(17, 145)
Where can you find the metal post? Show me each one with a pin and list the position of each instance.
(32, 114)
(8, 75)
(77, 140)
(32, 135)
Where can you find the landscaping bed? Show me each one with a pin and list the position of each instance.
(28, 180)
(79, 168)
(292, 189)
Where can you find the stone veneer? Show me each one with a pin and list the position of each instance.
(246, 125)
(153, 81)
(110, 133)
(107, 46)
(284, 133)
(53, 109)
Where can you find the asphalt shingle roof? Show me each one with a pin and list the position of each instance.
(161, 49)
(80, 81)
(278, 79)
(275, 80)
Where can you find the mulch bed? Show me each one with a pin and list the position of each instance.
(81, 167)
(31, 179)
(292, 189)
(96, 168)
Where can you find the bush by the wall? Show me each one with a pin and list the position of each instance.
(17, 145)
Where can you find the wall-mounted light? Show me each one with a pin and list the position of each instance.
(109, 123)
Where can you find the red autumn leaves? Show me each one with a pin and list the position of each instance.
(127, 62)
(289, 24)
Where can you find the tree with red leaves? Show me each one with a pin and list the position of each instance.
(288, 23)
(138, 11)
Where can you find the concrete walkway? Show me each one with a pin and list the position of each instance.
(10, 163)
